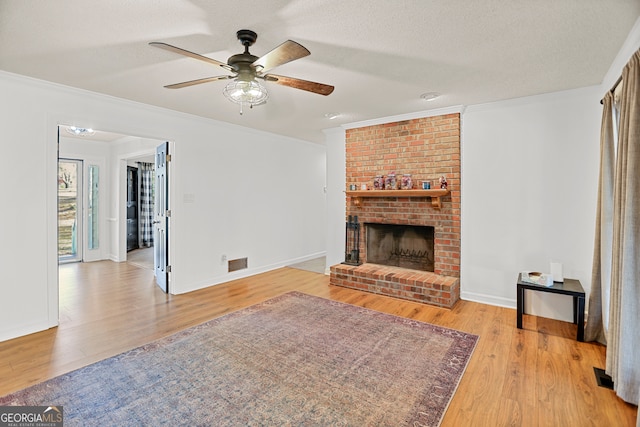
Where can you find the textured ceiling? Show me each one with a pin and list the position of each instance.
(380, 55)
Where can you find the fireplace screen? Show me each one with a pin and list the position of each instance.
(352, 241)
(406, 246)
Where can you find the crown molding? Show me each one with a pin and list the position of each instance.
(409, 116)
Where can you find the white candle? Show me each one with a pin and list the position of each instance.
(556, 271)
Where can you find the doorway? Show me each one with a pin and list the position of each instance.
(140, 202)
(133, 238)
(107, 209)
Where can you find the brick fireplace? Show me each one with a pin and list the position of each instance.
(426, 148)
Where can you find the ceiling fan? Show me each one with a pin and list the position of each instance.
(246, 69)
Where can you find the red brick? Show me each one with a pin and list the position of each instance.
(426, 148)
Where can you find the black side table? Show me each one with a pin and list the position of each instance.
(569, 287)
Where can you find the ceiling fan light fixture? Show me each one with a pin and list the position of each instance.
(245, 68)
(244, 92)
(73, 130)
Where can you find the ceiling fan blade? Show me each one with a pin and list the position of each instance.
(190, 54)
(197, 82)
(314, 87)
(286, 52)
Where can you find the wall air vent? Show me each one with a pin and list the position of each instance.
(237, 264)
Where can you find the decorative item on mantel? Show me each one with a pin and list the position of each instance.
(390, 182)
(378, 182)
(443, 182)
(406, 183)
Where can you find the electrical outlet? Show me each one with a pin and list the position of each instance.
(223, 259)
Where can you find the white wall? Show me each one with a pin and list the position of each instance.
(235, 192)
(336, 198)
(529, 189)
(545, 215)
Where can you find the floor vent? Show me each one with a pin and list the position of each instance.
(603, 379)
(237, 264)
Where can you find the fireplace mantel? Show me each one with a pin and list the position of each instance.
(435, 194)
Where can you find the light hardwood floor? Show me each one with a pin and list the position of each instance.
(539, 376)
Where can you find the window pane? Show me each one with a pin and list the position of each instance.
(93, 229)
(67, 208)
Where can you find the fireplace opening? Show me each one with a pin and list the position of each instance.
(406, 246)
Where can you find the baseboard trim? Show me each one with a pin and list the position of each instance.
(488, 299)
(24, 330)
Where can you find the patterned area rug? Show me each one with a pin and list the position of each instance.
(294, 360)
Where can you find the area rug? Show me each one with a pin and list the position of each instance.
(294, 360)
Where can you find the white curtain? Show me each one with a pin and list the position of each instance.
(616, 267)
(598, 316)
(147, 171)
(623, 363)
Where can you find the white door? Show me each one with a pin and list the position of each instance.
(161, 218)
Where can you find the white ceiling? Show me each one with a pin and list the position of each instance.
(380, 55)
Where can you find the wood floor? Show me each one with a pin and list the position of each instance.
(539, 376)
